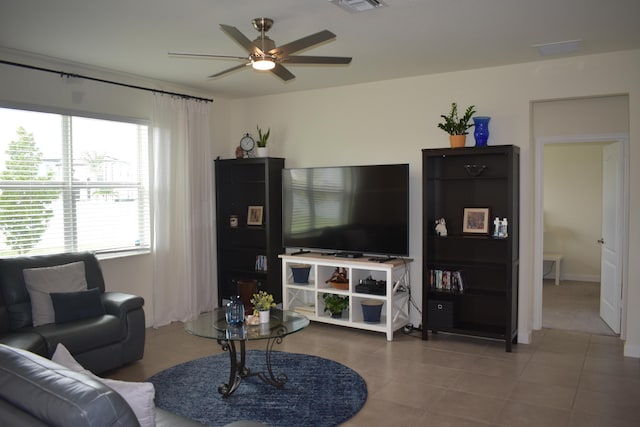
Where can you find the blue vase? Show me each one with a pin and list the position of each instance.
(481, 132)
(235, 311)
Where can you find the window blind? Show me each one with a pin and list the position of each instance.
(72, 183)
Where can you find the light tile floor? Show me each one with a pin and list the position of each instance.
(561, 379)
(573, 306)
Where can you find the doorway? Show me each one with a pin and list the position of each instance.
(574, 193)
(572, 292)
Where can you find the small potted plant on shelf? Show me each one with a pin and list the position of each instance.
(262, 304)
(262, 141)
(335, 304)
(456, 126)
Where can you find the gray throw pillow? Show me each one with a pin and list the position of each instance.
(41, 282)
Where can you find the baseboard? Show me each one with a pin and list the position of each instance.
(579, 277)
(632, 351)
(524, 337)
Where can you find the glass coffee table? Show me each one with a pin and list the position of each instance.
(214, 325)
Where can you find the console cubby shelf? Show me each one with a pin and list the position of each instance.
(306, 298)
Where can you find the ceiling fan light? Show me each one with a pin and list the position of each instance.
(263, 64)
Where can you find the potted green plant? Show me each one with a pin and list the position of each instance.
(262, 141)
(262, 304)
(335, 304)
(457, 126)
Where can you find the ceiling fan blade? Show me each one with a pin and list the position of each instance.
(228, 70)
(317, 60)
(241, 39)
(283, 73)
(303, 43)
(205, 56)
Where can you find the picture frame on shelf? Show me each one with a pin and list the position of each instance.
(254, 215)
(475, 221)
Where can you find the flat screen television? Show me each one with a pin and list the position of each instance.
(347, 210)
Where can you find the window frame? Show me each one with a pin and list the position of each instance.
(103, 253)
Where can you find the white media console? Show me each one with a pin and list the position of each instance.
(305, 298)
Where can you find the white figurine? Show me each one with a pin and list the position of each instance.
(441, 227)
(504, 228)
(496, 227)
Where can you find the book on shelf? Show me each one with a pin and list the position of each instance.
(446, 280)
(261, 263)
(309, 308)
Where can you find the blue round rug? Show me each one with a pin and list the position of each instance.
(319, 392)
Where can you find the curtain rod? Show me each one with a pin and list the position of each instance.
(80, 76)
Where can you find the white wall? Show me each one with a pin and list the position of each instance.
(390, 121)
(573, 208)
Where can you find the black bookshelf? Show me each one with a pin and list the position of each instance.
(485, 303)
(241, 183)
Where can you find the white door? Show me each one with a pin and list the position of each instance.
(611, 241)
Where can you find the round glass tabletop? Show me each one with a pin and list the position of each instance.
(214, 325)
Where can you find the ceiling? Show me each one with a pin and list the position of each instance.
(406, 38)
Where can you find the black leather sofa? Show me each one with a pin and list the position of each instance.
(35, 391)
(98, 343)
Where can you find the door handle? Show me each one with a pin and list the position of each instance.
(601, 241)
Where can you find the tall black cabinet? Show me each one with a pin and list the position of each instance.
(249, 245)
(470, 280)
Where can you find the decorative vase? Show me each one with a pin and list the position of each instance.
(300, 273)
(262, 152)
(481, 132)
(264, 316)
(457, 141)
(371, 310)
(336, 315)
(235, 332)
(235, 311)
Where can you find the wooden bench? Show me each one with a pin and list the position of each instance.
(556, 259)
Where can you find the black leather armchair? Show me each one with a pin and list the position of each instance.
(99, 343)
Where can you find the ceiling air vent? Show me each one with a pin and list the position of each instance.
(559, 48)
(354, 6)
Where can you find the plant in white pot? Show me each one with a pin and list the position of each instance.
(457, 127)
(262, 142)
(262, 305)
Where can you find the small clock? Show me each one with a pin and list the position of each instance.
(247, 144)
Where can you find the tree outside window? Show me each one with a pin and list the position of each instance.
(24, 209)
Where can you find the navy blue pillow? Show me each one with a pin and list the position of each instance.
(70, 306)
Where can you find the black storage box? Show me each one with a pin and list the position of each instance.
(440, 314)
(371, 286)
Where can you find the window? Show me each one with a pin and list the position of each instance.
(71, 183)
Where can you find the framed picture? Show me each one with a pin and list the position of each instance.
(476, 220)
(254, 215)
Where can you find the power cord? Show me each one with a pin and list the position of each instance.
(409, 328)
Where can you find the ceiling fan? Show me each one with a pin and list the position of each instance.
(265, 56)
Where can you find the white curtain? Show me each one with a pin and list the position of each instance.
(184, 282)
